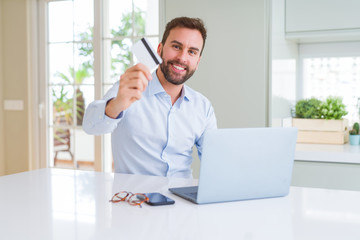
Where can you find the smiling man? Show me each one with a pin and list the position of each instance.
(155, 120)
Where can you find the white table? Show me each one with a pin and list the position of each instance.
(66, 204)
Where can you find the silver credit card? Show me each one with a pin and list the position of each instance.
(146, 54)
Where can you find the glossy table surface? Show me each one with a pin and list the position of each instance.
(68, 204)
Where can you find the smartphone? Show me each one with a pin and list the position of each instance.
(157, 199)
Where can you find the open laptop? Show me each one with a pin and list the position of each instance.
(242, 164)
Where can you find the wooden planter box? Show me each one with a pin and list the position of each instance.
(321, 131)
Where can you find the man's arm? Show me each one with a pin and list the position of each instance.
(132, 83)
(102, 116)
(95, 121)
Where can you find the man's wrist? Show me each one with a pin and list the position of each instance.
(109, 111)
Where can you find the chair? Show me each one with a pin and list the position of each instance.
(62, 143)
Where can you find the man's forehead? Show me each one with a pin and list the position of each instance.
(185, 36)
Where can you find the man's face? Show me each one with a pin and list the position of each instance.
(180, 54)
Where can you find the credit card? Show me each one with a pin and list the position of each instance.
(146, 54)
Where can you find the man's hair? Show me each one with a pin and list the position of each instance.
(185, 22)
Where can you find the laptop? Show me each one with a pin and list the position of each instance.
(243, 164)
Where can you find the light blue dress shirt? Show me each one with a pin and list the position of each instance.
(152, 136)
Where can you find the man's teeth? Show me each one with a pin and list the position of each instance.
(178, 67)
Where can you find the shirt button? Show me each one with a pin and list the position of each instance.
(100, 117)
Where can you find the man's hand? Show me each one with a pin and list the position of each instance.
(132, 83)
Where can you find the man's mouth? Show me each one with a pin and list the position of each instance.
(178, 68)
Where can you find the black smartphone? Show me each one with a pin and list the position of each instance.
(157, 199)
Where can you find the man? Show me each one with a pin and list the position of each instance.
(155, 120)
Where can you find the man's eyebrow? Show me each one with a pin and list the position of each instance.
(177, 42)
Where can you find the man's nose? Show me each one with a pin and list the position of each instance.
(182, 56)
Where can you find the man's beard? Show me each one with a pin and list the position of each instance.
(172, 77)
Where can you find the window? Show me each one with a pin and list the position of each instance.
(84, 55)
(332, 69)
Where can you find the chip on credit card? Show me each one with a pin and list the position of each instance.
(145, 54)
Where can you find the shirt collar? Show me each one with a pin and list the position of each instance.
(155, 87)
(186, 93)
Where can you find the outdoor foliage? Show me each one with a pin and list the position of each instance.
(64, 102)
(123, 57)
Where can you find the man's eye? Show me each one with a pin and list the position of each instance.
(176, 47)
(192, 52)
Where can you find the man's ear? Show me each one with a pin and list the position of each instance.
(159, 48)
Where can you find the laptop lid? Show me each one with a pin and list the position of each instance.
(248, 163)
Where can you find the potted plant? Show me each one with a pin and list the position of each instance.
(308, 108)
(333, 108)
(354, 134)
(321, 121)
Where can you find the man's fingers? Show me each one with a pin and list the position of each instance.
(134, 79)
(132, 83)
(138, 78)
(144, 69)
(133, 94)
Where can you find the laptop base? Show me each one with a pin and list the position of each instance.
(189, 193)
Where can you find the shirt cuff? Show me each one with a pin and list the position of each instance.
(120, 114)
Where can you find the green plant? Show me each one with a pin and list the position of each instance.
(308, 108)
(333, 108)
(355, 129)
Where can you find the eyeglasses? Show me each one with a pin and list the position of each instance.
(134, 199)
